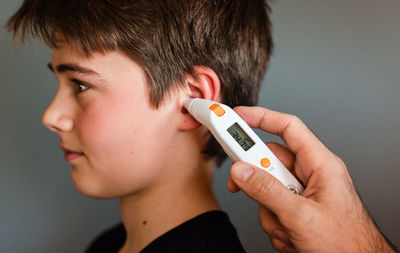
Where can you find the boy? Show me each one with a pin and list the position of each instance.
(124, 68)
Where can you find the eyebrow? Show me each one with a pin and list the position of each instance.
(71, 67)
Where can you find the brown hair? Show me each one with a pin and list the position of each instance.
(167, 38)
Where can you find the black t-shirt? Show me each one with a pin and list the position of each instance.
(209, 232)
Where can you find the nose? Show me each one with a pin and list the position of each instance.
(57, 117)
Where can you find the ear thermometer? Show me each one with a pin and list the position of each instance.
(238, 140)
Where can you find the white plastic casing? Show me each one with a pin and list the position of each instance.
(218, 125)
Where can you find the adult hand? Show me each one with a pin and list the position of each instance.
(329, 216)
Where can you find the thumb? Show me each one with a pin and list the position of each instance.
(261, 186)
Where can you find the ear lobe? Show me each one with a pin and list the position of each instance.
(188, 122)
(205, 85)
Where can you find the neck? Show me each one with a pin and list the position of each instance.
(154, 211)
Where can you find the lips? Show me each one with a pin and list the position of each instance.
(68, 149)
(70, 155)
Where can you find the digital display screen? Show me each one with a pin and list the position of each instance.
(240, 137)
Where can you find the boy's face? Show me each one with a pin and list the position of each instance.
(124, 141)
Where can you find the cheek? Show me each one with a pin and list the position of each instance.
(117, 140)
(106, 131)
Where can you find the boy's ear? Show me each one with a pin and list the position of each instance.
(204, 84)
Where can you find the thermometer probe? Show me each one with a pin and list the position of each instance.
(238, 140)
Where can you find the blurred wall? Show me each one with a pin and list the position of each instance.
(336, 65)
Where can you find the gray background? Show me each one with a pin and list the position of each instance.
(336, 65)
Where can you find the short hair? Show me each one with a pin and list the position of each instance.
(167, 38)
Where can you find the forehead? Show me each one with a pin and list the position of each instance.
(104, 63)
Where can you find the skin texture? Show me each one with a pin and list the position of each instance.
(130, 150)
(134, 152)
(328, 216)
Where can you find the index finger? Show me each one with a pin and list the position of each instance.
(296, 135)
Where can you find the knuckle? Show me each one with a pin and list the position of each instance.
(264, 186)
(264, 221)
(341, 162)
(294, 120)
(337, 164)
(278, 245)
(305, 215)
(265, 228)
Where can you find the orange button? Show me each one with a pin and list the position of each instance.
(217, 109)
(265, 162)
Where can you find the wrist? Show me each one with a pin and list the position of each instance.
(376, 241)
(382, 245)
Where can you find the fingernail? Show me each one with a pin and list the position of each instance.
(242, 172)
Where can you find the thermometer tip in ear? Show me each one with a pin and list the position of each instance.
(187, 102)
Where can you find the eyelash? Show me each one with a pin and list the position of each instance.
(79, 84)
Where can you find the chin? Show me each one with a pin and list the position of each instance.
(91, 188)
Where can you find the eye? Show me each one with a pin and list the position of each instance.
(80, 86)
